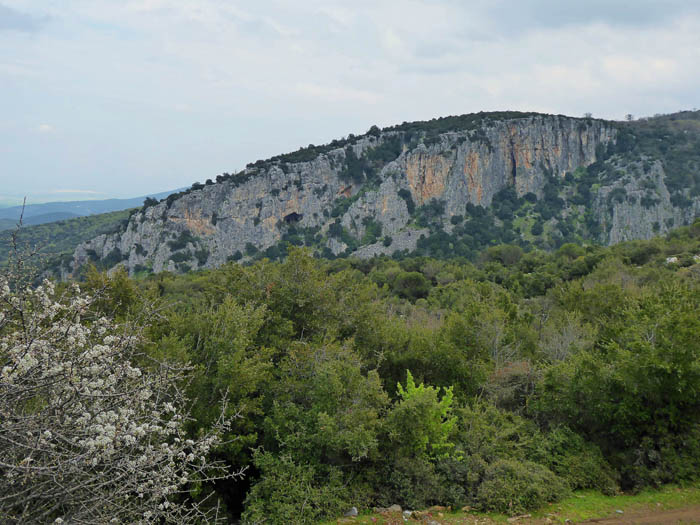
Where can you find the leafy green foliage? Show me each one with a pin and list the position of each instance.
(579, 462)
(406, 196)
(472, 121)
(373, 231)
(500, 383)
(357, 169)
(430, 214)
(293, 493)
(513, 487)
(182, 240)
(639, 392)
(342, 204)
(387, 151)
(420, 424)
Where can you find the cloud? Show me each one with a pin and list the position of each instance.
(336, 94)
(13, 20)
(532, 15)
(155, 93)
(85, 192)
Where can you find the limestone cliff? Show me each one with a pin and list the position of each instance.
(638, 206)
(383, 192)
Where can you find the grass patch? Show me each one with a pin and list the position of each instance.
(586, 505)
(581, 506)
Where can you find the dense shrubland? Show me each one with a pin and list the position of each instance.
(503, 383)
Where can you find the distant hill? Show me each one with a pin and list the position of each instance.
(7, 224)
(54, 211)
(6, 202)
(54, 229)
(56, 241)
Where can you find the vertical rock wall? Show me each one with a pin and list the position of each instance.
(219, 222)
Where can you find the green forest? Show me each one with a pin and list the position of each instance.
(502, 383)
(502, 366)
(420, 263)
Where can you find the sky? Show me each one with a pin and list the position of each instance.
(119, 98)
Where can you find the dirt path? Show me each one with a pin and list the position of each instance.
(685, 515)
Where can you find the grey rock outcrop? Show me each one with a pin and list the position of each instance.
(638, 206)
(325, 200)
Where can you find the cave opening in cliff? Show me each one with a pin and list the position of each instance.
(293, 217)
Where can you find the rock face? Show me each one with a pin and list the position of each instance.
(639, 206)
(364, 196)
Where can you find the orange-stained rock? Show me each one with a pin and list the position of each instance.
(195, 222)
(427, 176)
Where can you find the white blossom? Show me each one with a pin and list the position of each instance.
(90, 433)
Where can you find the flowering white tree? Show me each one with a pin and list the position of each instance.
(91, 431)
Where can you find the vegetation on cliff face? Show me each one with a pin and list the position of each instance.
(675, 141)
(503, 383)
(414, 189)
(449, 187)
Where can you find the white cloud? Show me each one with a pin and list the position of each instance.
(336, 94)
(154, 94)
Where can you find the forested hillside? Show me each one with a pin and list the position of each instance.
(448, 187)
(56, 241)
(502, 384)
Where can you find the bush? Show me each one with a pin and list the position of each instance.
(637, 393)
(181, 256)
(420, 424)
(408, 198)
(181, 241)
(415, 484)
(356, 169)
(537, 228)
(430, 214)
(202, 256)
(506, 254)
(411, 285)
(513, 487)
(579, 462)
(150, 201)
(341, 205)
(373, 230)
(288, 492)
